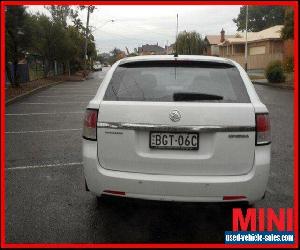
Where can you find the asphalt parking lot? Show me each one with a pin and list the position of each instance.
(46, 201)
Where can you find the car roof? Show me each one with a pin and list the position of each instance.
(172, 57)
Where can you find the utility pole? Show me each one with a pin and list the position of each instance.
(167, 47)
(86, 37)
(246, 42)
(176, 51)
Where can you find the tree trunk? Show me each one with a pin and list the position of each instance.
(8, 71)
(64, 68)
(15, 74)
(46, 67)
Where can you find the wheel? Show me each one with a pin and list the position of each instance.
(244, 205)
(99, 199)
(107, 200)
(102, 200)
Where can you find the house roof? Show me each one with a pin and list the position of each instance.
(150, 48)
(215, 39)
(270, 33)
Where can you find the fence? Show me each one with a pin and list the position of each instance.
(35, 69)
(22, 72)
(39, 69)
(256, 61)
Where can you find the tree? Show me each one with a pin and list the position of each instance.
(103, 57)
(259, 17)
(76, 20)
(77, 38)
(67, 50)
(60, 13)
(115, 55)
(189, 43)
(288, 29)
(18, 38)
(48, 37)
(51, 41)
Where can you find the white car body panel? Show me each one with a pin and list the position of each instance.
(222, 166)
(216, 149)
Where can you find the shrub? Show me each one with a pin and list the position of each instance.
(288, 64)
(274, 72)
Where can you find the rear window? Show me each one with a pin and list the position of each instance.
(168, 81)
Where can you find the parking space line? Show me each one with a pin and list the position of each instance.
(77, 87)
(51, 103)
(74, 89)
(42, 131)
(68, 93)
(50, 96)
(83, 92)
(56, 113)
(45, 166)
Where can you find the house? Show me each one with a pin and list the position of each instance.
(121, 54)
(150, 49)
(169, 50)
(212, 43)
(263, 47)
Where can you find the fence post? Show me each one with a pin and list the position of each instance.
(55, 68)
(69, 68)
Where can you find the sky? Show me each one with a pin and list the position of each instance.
(134, 26)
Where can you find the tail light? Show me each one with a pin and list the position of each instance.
(263, 129)
(90, 124)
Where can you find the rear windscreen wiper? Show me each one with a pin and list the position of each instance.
(186, 96)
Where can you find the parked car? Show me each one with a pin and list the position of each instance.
(186, 128)
(97, 67)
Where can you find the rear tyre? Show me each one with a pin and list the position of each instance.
(99, 199)
(244, 205)
(103, 200)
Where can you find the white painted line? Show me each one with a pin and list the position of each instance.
(75, 90)
(51, 103)
(42, 131)
(76, 87)
(45, 166)
(79, 88)
(69, 93)
(271, 191)
(84, 91)
(50, 96)
(58, 113)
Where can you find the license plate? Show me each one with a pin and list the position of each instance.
(175, 140)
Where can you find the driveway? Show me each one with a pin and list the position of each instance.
(46, 201)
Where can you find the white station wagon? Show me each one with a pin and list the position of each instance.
(185, 128)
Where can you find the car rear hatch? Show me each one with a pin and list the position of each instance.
(202, 106)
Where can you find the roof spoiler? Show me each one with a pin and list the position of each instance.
(178, 63)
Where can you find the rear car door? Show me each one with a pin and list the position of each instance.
(176, 118)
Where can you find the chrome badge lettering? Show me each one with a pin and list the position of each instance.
(238, 136)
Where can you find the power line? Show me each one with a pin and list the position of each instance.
(126, 37)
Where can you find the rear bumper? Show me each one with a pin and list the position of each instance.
(177, 188)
